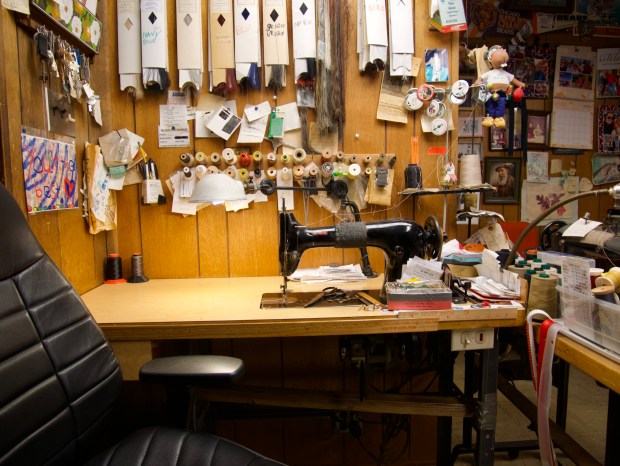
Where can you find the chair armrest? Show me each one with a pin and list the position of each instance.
(193, 370)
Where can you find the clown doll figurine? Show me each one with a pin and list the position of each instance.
(499, 83)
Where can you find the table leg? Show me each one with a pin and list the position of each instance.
(612, 449)
(486, 414)
(445, 377)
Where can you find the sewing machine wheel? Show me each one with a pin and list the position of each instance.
(433, 238)
(545, 240)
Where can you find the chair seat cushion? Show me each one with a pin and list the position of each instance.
(161, 446)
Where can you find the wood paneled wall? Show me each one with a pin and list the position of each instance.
(215, 243)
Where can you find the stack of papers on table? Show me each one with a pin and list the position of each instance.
(329, 274)
(417, 267)
(487, 289)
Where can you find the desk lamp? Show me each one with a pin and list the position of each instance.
(614, 192)
(218, 187)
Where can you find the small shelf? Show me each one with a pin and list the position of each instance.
(457, 190)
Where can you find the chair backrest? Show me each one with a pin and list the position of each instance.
(514, 229)
(59, 377)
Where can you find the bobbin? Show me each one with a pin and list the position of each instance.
(245, 159)
(271, 158)
(187, 159)
(243, 173)
(299, 155)
(201, 158)
(212, 170)
(272, 173)
(285, 174)
(257, 156)
(200, 171)
(216, 158)
(326, 155)
(298, 172)
(230, 171)
(285, 159)
(229, 156)
(354, 171)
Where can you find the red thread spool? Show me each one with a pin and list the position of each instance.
(245, 159)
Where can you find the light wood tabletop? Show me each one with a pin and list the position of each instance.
(230, 308)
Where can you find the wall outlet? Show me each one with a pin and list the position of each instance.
(472, 339)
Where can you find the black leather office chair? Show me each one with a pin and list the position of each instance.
(59, 378)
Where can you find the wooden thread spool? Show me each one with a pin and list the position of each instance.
(353, 159)
(216, 158)
(229, 156)
(212, 170)
(230, 171)
(298, 172)
(200, 171)
(313, 172)
(272, 173)
(326, 155)
(367, 159)
(380, 159)
(285, 159)
(187, 159)
(327, 169)
(368, 171)
(339, 156)
(543, 294)
(257, 156)
(299, 156)
(201, 158)
(606, 293)
(610, 278)
(354, 171)
(243, 173)
(285, 174)
(271, 158)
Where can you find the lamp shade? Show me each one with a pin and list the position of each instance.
(218, 187)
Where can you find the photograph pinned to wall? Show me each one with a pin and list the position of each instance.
(574, 68)
(538, 129)
(537, 198)
(534, 66)
(469, 148)
(498, 139)
(605, 169)
(470, 126)
(609, 128)
(607, 72)
(436, 65)
(504, 174)
(537, 167)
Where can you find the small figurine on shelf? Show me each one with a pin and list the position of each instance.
(500, 83)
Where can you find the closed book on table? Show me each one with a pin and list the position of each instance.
(423, 297)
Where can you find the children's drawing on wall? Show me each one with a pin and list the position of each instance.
(50, 174)
(605, 169)
(436, 61)
(537, 167)
(609, 128)
(608, 71)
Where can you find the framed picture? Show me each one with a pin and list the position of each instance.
(470, 148)
(470, 126)
(504, 174)
(498, 139)
(609, 128)
(537, 129)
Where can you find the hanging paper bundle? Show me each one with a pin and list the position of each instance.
(275, 39)
(247, 43)
(401, 37)
(221, 47)
(154, 24)
(304, 50)
(129, 51)
(372, 36)
(189, 43)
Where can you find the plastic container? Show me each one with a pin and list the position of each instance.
(594, 319)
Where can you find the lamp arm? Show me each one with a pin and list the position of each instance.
(545, 214)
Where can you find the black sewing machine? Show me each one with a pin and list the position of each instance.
(602, 244)
(400, 241)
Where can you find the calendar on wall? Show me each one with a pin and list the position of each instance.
(572, 124)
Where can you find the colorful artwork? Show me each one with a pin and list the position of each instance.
(607, 72)
(537, 167)
(540, 197)
(487, 19)
(50, 174)
(533, 66)
(75, 17)
(605, 169)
